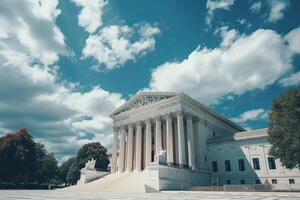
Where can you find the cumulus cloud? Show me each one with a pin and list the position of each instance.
(251, 115)
(114, 45)
(277, 9)
(255, 7)
(32, 95)
(90, 16)
(293, 38)
(54, 112)
(29, 26)
(213, 5)
(228, 36)
(293, 79)
(247, 63)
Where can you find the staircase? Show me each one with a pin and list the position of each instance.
(123, 182)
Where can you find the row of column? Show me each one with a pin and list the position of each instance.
(158, 143)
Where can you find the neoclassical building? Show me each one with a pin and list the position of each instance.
(202, 147)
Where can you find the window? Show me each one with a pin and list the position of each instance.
(257, 181)
(274, 181)
(205, 158)
(214, 166)
(241, 164)
(214, 133)
(271, 162)
(292, 181)
(256, 165)
(227, 166)
(242, 181)
(228, 182)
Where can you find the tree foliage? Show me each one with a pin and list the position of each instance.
(93, 150)
(17, 157)
(70, 169)
(284, 128)
(22, 160)
(46, 165)
(64, 170)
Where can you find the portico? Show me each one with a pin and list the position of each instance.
(155, 121)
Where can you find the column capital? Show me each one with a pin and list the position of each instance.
(168, 116)
(148, 121)
(189, 116)
(123, 128)
(115, 128)
(130, 125)
(138, 124)
(197, 119)
(179, 113)
(158, 118)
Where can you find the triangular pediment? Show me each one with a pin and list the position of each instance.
(143, 99)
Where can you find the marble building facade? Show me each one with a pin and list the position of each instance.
(195, 139)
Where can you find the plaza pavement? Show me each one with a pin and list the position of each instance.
(176, 195)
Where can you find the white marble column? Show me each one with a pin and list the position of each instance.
(148, 142)
(169, 132)
(190, 142)
(114, 151)
(181, 142)
(129, 148)
(122, 150)
(138, 149)
(157, 135)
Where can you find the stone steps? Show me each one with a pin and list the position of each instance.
(123, 182)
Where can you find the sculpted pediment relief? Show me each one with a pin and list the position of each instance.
(142, 99)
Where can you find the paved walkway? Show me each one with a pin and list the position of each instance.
(52, 195)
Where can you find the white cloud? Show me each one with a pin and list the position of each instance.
(90, 16)
(251, 115)
(277, 9)
(114, 45)
(255, 7)
(29, 27)
(293, 38)
(228, 36)
(53, 111)
(32, 95)
(293, 79)
(250, 62)
(213, 5)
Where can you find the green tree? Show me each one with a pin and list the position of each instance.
(17, 157)
(73, 174)
(46, 165)
(88, 151)
(284, 128)
(93, 150)
(64, 169)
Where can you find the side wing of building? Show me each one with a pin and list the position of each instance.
(244, 159)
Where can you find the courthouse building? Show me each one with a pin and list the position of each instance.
(201, 147)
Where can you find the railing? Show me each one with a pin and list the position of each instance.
(250, 188)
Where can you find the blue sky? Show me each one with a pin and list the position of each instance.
(66, 65)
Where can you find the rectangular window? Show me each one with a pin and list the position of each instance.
(242, 181)
(241, 164)
(214, 166)
(228, 182)
(274, 181)
(292, 181)
(256, 165)
(271, 162)
(227, 166)
(257, 181)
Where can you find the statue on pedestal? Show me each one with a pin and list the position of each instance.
(90, 165)
(161, 157)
